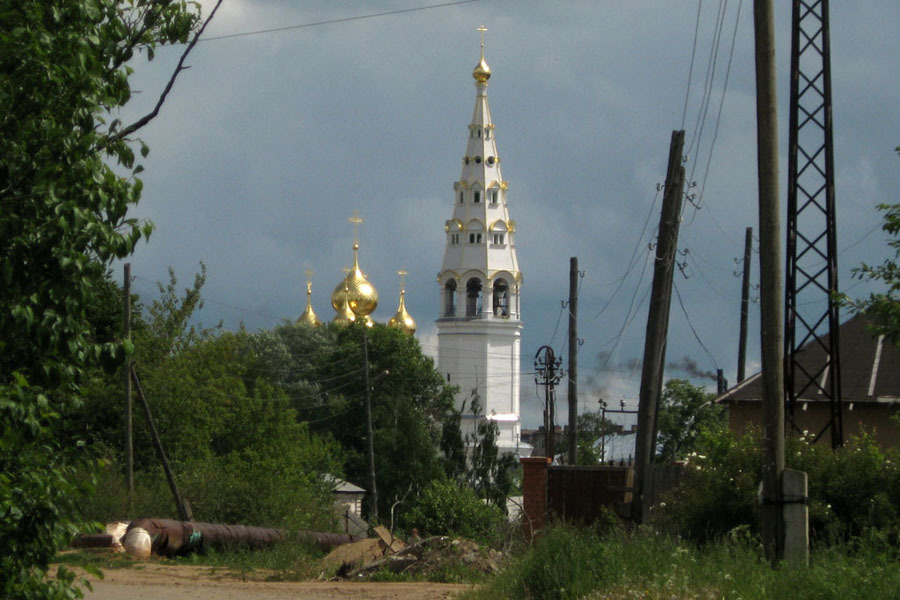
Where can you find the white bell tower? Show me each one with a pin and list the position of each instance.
(480, 327)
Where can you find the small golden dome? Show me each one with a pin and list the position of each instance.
(481, 72)
(361, 295)
(309, 315)
(344, 316)
(401, 320)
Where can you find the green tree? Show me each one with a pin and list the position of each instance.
(489, 472)
(883, 307)
(592, 426)
(67, 180)
(686, 412)
(321, 369)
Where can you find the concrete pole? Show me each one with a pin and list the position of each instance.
(771, 325)
(573, 360)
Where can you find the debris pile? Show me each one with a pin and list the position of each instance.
(422, 556)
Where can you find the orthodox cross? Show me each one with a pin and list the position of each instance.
(356, 220)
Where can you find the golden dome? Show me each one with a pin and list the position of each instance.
(309, 315)
(344, 316)
(339, 295)
(481, 72)
(401, 320)
(361, 295)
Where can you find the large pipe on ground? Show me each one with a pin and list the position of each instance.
(168, 537)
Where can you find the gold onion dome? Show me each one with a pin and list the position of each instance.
(309, 315)
(344, 316)
(481, 72)
(362, 297)
(401, 320)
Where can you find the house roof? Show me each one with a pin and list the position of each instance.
(870, 368)
(340, 486)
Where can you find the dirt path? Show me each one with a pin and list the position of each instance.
(167, 582)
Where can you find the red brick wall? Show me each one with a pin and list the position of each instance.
(534, 494)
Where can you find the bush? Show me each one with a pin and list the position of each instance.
(718, 491)
(448, 508)
(851, 490)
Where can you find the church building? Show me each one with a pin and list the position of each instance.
(480, 327)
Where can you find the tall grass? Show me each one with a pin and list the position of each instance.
(568, 563)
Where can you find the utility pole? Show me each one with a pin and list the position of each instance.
(370, 436)
(770, 281)
(548, 374)
(184, 511)
(658, 322)
(573, 360)
(745, 298)
(129, 444)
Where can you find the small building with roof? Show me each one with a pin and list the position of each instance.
(870, 389)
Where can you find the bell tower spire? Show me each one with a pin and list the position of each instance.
(479, 327)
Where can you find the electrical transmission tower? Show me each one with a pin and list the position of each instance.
(811, 313)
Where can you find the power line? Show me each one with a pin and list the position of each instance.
(691, 325)
(687, 91)
(333, 21)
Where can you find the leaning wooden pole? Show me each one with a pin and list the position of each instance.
(657, 323)
(771, 325)
(129, 409)
(183, 512)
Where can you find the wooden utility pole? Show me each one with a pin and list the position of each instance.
(573, 360)
(745, 299)
(370, 436)
(658, 322)
(129, 444)
(184, 512)
(771, 326)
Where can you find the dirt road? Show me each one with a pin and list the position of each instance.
(165, 582)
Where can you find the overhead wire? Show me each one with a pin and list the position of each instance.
(691, 325)
(687, 91)
(332, 21)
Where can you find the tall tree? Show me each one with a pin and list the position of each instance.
(67, 180)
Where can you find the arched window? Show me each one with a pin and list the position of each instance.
(450, 298)
(477, 197)
(473, 297)
(501, 298)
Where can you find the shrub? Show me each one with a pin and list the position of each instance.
(851, 490)
(448, 508)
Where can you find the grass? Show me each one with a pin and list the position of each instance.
(579, 563)
(568, 563)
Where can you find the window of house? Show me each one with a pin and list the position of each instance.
(499, 238)
(495, 196)
(477, 197)
(474, 238)
(454, 238)
(462, 197)
(487, 134)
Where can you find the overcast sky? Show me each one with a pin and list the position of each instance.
(269, 142)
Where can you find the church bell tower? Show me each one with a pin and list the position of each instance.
(480, 327)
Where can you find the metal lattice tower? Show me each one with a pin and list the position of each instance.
(811, 313)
